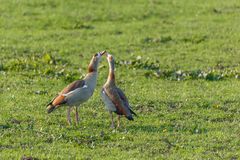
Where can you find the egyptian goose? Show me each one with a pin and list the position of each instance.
(78, 91)
(113, 97)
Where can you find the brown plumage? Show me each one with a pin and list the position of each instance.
(60, 98)
(78, 91)
(113, 97)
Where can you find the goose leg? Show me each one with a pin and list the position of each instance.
(69, 116)
(118, 121)
(76, 116)
(111, 115)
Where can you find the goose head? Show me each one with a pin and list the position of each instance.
(92, 67)
(110, 60)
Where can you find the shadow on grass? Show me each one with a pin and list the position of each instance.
(4, 126)
(149, 128)
(167, 128)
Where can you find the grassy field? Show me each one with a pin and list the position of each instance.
(177, 61)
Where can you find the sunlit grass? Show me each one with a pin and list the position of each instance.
(177, 61)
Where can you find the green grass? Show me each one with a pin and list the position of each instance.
(177, 61)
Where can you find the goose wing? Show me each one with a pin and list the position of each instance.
(121, 108)
(71, 88)
(125, 100)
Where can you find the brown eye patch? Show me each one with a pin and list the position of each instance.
(96, 55)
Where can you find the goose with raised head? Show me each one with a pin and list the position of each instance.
(78, 91)
(113, 97)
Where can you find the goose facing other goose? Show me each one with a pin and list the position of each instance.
(113, 97)
(78, 91)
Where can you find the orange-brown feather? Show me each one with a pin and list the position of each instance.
(90, 69)
(116, 100)
(72, 86)
(111, 76)
(60, 99)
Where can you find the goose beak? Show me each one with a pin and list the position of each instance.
(103, 52)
